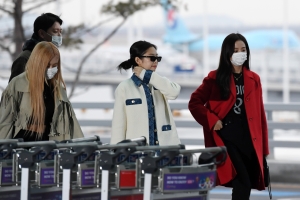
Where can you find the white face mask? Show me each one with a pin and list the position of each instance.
(56, 40)
(50, 73)
(239, 58)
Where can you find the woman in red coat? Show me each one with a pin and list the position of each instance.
(229, 106)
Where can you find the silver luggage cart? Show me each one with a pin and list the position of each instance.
(108, 155)
(181, 182)
(85, 168)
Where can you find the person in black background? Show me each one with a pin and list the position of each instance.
(46, 27)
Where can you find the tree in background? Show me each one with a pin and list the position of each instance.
(16, 36)
(118, 10)
(12, 39)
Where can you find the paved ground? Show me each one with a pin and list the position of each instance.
(279, 192)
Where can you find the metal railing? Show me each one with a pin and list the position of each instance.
(191, 123)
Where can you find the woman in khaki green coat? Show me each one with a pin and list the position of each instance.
(35, 106)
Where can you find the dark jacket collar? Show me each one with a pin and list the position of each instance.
(138, 82)
(30, 44)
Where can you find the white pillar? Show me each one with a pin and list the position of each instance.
(286, 68)
(130, 36)
(205, 41)
(264, 72)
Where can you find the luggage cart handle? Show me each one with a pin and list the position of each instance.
(94, 138)
(109, 159)
(117, 146)
(8, 141)
(224, 156)
(159, 148)
(35, 144)
(205, 150)
(126, 147)
(142, 141)
(151, 163)
(27, 158)
(126, 151)
(69, 159)
(8, 145)
(212, 154)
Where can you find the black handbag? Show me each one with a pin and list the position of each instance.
(267, 177)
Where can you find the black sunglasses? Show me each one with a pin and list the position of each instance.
(153, 58)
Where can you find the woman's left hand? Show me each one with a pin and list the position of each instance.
(137, 70)
(218, 126)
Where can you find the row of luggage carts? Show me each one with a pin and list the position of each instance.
(86, 169)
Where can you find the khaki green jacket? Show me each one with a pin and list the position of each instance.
(15, 111)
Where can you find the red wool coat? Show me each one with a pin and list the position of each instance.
(207, 108)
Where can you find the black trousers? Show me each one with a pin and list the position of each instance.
(236, 137)
(246, 169)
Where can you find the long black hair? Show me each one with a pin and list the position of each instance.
(137, 49)
(224, 70)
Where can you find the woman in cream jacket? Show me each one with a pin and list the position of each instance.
(141, 102)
